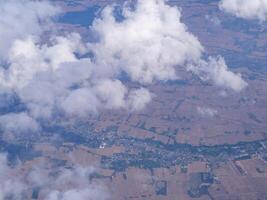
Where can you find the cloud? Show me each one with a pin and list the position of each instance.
(213, 19)
(111, 93)
(84, 194)
(71, 85)
(153, 43)
(207, 112)
(75, 184)
(11, 184)
(247, 9)
(139, 98)
(62, 184)
(56, 77)
(148, 44)
(216, 71)
(19, 19)
(67, 184)
(18, 123)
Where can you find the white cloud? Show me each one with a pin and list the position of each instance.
(27, 58)
(111, 93)
(18, 123)
(153, 42)
(75, 85)
(216, 71)
(55, 76)
(247, 9)
(75, 184)
(83, 194)
(148, 44)
(66, 184)
(80, 102)
(11, 184)
(207, 112)
(19, 19)
(139, 98)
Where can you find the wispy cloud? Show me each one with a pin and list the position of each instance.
(62, 184)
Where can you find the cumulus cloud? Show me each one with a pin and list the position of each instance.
(247, 9)
(57, 76)
(216, 71)
(153, 42)
(148, 44)
(74, 86)
(71, 85)
(19, 19)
